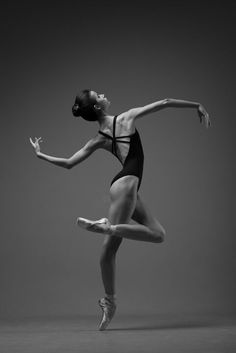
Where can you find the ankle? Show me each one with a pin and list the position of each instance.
(111, 297)
(112, 230)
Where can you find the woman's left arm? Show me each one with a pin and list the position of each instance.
(75, 159)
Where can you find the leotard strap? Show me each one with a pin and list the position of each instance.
(133, 163)
(114, 138)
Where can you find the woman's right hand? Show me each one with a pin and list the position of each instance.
(36, 144)
(204, 116)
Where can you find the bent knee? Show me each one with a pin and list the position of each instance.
(159, 235)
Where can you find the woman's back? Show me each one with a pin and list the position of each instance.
(117, 136)
(131, 155)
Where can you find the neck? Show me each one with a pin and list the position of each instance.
(104, 120)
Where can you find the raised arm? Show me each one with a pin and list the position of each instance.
(76, 158)
(139, 112)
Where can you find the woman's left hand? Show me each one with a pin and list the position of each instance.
(36, 144)
(204, 116)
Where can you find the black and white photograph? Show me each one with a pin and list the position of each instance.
(118, 125)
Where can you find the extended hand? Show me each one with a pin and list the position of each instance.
(36, 144)
(204, 116)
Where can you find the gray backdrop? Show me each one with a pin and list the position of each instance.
(135, 54)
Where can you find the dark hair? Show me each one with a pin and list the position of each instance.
(84, 106)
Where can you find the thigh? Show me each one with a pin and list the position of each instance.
(142, 215)
(123, 202)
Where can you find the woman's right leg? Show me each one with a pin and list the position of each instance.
(144, 217)
(125, 204)
(148, 227)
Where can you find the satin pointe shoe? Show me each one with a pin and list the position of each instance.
(108, 308)
(100, 226)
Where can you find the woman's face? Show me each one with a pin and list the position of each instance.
(102, 101)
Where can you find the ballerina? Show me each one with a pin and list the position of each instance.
(118, 135)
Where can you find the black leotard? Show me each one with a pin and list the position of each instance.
(133, 164)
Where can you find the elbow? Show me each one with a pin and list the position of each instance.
(68, 164)
(167, 102)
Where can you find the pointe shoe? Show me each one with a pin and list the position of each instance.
(100, 226)
(108, 307)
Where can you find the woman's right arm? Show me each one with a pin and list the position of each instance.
(170, 103)
(75, 159)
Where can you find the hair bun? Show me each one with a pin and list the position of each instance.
(76, 111)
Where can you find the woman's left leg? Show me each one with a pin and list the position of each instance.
(123, 200)
(123, 203)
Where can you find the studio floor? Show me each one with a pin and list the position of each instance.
(156, 333)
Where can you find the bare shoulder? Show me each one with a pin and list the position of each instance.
(138, 112)
(126, 122)
(94, 143)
